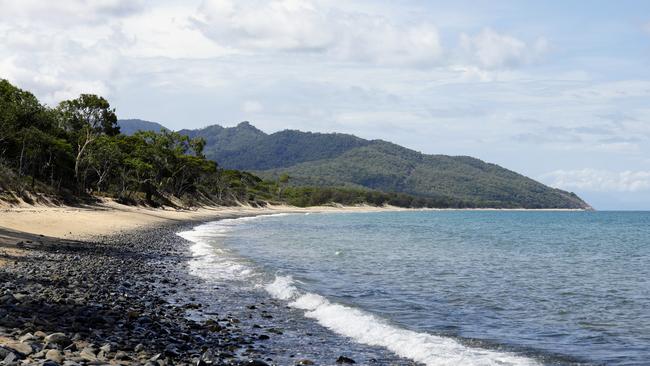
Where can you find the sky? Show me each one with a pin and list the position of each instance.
(556, 90)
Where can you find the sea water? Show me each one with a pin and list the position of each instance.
(452, 287)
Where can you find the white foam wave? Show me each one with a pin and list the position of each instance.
(282, 288)
(368, 329)
(213, 262)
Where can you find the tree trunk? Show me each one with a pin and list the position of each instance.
(80, 153)
(22, 155)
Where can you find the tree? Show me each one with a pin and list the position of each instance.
(103, 158)
(18, 110)
(282, 183)
(87, 118)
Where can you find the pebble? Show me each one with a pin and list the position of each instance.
(122, 300)
(122, 356)
(88, 354)
(28, 337)
(346, 360)
(9, 358)
(54, 355)
(58, 339)
(20, 347)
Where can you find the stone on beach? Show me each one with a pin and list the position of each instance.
(23, 348)
(54, 355)
(58, 339)
(345, 360)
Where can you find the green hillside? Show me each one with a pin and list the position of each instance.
(246, 147)
(389, 167)
(130, 126)
(340, 160)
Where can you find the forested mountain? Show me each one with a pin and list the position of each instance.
(130, 126)
(246, 147)
(340, 160)
(389, 167)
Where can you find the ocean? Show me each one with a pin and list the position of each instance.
(445, 287)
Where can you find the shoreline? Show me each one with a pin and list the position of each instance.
(109, 217)
(29, 223)
(129, 298)
(119, 299)
(69, 264)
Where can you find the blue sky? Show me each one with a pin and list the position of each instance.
(556, 90)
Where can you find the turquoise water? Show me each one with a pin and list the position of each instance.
(470, 287)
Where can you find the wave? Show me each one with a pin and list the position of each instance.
(212, 262)
(217, 263)
(368, 329)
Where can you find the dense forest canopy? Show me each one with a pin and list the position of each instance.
(76, 151)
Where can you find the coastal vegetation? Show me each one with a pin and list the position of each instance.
(75, 151)
(79, 150)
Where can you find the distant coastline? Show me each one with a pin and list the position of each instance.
(107, 216)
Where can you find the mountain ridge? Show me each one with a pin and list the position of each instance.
(344, 160)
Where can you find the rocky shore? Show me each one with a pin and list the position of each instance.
(110, 301)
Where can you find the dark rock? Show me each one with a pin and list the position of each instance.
(305, 362)
(171, 351)
(343, 359)
(4, 352)
(122, 356)
(263, 337)
(9, 358)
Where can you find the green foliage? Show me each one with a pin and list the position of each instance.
(338, 160)
(245, 147)
(77, 148)
(388, 167)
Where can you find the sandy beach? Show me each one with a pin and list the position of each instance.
(109, 217)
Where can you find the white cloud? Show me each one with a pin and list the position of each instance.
(307, 26)
(59, 65)
(166, 31)
(599, 180)
(251, 107)
(493, 50)
(609, 90)
(64, 13)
